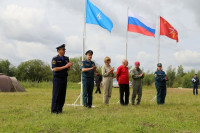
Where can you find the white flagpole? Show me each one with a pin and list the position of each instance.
(83, 51)
(126, 47)
(158, 50)
(158, 34)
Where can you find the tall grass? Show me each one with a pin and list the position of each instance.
(30, 112)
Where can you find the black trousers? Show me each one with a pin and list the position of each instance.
(124, 91)
(59, 93)
(98, 88)
(195, 87)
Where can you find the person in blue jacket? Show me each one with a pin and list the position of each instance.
(195, 82)
(160, 82)
(60, 66)
(88, 68)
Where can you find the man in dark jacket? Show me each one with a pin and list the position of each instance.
(160, 82)
(98, 80)
(195, 82)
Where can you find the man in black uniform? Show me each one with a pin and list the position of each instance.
(98, 80)
(60, 66)
(195, 82)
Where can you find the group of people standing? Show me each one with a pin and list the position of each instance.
(61, 65)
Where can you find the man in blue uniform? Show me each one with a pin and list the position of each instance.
(60, 66)
(195, 82)
(160, 82)
(88, 68)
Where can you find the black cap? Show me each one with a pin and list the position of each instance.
(90, 52)
(195, 74)
(159, 65)
(61, 46)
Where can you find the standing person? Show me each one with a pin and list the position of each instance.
(88, 68)
(123, 81)
(195, 82)
(60, 66)
(98, 80)
(137, 76)
(107, 73)
(160, 82)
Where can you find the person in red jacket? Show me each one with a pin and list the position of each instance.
(123, 81)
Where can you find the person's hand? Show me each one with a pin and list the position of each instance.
(68, 65)
(166, 78)
(142, 74)
(112, 70)
(94, 67)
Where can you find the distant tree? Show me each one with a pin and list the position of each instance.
(180, 71)
(129, 69)
(148, 78)
(34, 70)
(74, 75)
(171, 74)
(7, 68)
(187, 79)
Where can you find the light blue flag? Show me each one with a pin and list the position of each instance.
(95, 16)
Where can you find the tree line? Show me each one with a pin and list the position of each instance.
(38, 71)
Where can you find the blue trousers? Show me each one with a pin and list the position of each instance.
(195, 87)
(88, 86)
(161, 94)
(59, 93)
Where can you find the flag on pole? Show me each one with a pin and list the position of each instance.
(167, 30)
(140, 25)
(95, 16)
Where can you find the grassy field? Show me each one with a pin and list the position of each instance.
(30, 112)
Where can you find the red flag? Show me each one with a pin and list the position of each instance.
(168, 30)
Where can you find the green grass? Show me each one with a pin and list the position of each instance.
(30, 112)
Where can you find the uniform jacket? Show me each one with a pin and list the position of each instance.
(58, 61)
(136, 78)
(159, 77)
(90, 73)
(195, 81)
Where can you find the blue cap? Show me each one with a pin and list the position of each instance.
(61, 46)
(159, 65)
(90, 52)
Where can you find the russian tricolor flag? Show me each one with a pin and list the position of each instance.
(140, 25)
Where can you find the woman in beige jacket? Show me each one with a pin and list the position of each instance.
(107, 74)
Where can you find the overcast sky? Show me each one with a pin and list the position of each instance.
(32, 29)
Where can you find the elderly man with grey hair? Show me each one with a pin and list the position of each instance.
(123, 81)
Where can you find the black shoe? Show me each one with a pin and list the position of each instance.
(85, 105)
(89, 106)
(59, 112)
(54, 112)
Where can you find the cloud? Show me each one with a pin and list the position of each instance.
(28, 24)
(33, 29)
(188, 57)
